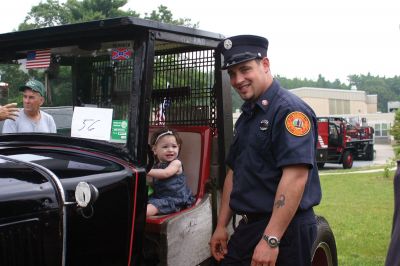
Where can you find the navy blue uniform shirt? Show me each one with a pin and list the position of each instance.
(279, 130)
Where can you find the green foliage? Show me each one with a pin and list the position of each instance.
(395, 130)
(52, 13)
(87, 10)
(320, 83)
(163, 14)
(396, 149)
(46, 14)
(363, 225)
(15, 77)
(387, 89)
(61, 84)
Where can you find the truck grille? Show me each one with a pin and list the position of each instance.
(21, 244)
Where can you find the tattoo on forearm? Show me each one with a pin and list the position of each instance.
(281, 201)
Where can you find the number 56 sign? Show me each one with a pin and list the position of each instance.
(91, 123)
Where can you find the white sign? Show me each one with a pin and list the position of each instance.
(91, 123)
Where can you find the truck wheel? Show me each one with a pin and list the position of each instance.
(370, 153)
(320, 165)
(323, 252)
(347, 160)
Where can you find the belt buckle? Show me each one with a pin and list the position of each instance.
(245, 218)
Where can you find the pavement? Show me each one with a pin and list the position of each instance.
(383, 153)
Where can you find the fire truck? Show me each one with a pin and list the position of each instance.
(341, 142)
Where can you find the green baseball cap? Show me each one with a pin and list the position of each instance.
(34, 85)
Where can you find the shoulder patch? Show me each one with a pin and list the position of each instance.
(298, 124)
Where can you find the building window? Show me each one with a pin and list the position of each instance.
(385, 130)
(339, 106)
(377, 130)
(382, 129)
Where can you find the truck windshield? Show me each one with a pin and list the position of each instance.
(97, 77)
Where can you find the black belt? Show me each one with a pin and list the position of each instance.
(249, 218)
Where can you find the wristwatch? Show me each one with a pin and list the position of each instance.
(272, 241)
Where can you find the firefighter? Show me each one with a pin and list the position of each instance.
(272, 180)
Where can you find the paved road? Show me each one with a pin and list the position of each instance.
(383, 153)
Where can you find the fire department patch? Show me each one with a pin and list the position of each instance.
(298, 124)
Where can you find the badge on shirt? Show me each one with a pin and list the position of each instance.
(264, 125)
(298, 124)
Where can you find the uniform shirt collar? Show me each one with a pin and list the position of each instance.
(264, 100)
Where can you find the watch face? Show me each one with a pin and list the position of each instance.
(272, 241)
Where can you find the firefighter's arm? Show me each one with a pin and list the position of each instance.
(219, 239)
(173, 168)
(287, 199)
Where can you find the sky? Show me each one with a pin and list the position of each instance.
(306, 37)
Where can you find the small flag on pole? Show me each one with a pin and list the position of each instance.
(121, 53)
(38, 59)
(161, 111)
(160, 115)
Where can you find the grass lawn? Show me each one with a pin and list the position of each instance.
(359, 209)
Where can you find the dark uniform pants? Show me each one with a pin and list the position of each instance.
(294, 249)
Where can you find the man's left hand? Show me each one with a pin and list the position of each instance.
(264, 255)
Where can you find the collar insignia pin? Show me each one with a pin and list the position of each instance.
(264, 125)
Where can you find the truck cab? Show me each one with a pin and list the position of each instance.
(78, 197)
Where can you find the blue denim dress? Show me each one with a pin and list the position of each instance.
(170, 194)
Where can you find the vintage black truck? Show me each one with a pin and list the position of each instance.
(79, 197)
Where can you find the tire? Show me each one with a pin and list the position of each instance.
(323, 252)
(370, 153)
(347, 160)
(320, 165)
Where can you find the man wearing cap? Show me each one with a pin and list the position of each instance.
(31, 118)
(272, 181)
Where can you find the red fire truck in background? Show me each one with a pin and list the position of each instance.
(341, 142)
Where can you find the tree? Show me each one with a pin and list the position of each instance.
(163, 14)
(18, 77)
(395, 130)
(52, 13)
(386, 89)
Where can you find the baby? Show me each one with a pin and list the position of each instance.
(171, 193)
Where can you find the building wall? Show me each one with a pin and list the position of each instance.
(320, 104)
(337, 102)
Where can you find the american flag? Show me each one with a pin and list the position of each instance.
(160, 115)
(38, 59)
(161, 110)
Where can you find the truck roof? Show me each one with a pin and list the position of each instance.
(123, 27)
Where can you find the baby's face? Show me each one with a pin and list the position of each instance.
(166, 149)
